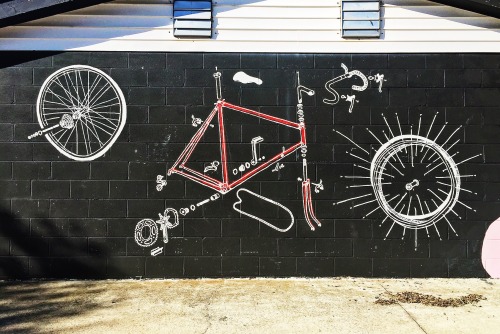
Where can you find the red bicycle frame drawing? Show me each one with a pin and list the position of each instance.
(225, 185)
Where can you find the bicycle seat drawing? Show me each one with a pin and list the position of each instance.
(81, 111)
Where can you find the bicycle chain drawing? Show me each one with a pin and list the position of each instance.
(219, 176)
(415, 181)
(81, 111)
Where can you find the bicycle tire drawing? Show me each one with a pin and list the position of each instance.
(81, 111)
(415, 181)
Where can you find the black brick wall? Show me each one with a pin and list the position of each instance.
(61, 218)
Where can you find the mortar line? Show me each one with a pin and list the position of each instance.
(412, 318)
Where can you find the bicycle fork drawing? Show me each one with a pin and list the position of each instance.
(306, 182)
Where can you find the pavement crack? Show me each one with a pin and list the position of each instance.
(411, 317)
(206, 309)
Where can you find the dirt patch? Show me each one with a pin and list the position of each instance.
(430, 300)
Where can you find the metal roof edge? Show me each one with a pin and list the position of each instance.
(18, 11)
(485, 7)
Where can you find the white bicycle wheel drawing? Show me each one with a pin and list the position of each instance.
(415, 180)
(408, 218)
(81, 111)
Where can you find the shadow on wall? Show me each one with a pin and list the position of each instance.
(24, 253)
(41, 248)
(438, 11)
(129, 21)
(24, 57)
(87, 27)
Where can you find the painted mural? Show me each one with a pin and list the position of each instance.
(237, 154)
(416, 195)
(490, 253)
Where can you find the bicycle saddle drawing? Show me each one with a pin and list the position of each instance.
(245, 78)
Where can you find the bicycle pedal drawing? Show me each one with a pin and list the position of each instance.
(81, 111)
(168, 220)
(232, 174)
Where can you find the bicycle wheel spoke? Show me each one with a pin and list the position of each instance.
(99, 94)
(94, 131)
(106, 120)
(66, 91)
(104, 113)
(49, 108)
(92, 88)
(68, 94)
(108, 112)
(102, 129)
(88, 136)
(88, 87)
(107, 127)
(76, 88)
(62, 135)
(101, 123)
(84, 137)
(100, 103)
(56, 133)
(83, 87)
(66, 78)
(57, 103)
(76, 139)
(55, 113)
(69, 136)
(61, 98)
(109, 120)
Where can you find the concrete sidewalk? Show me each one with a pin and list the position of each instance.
(345, 305)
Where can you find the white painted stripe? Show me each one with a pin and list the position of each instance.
(221, 46)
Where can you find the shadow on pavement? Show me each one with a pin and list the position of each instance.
(45, 252)
(25, 306)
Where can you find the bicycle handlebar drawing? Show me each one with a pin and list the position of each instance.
(378, 78)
